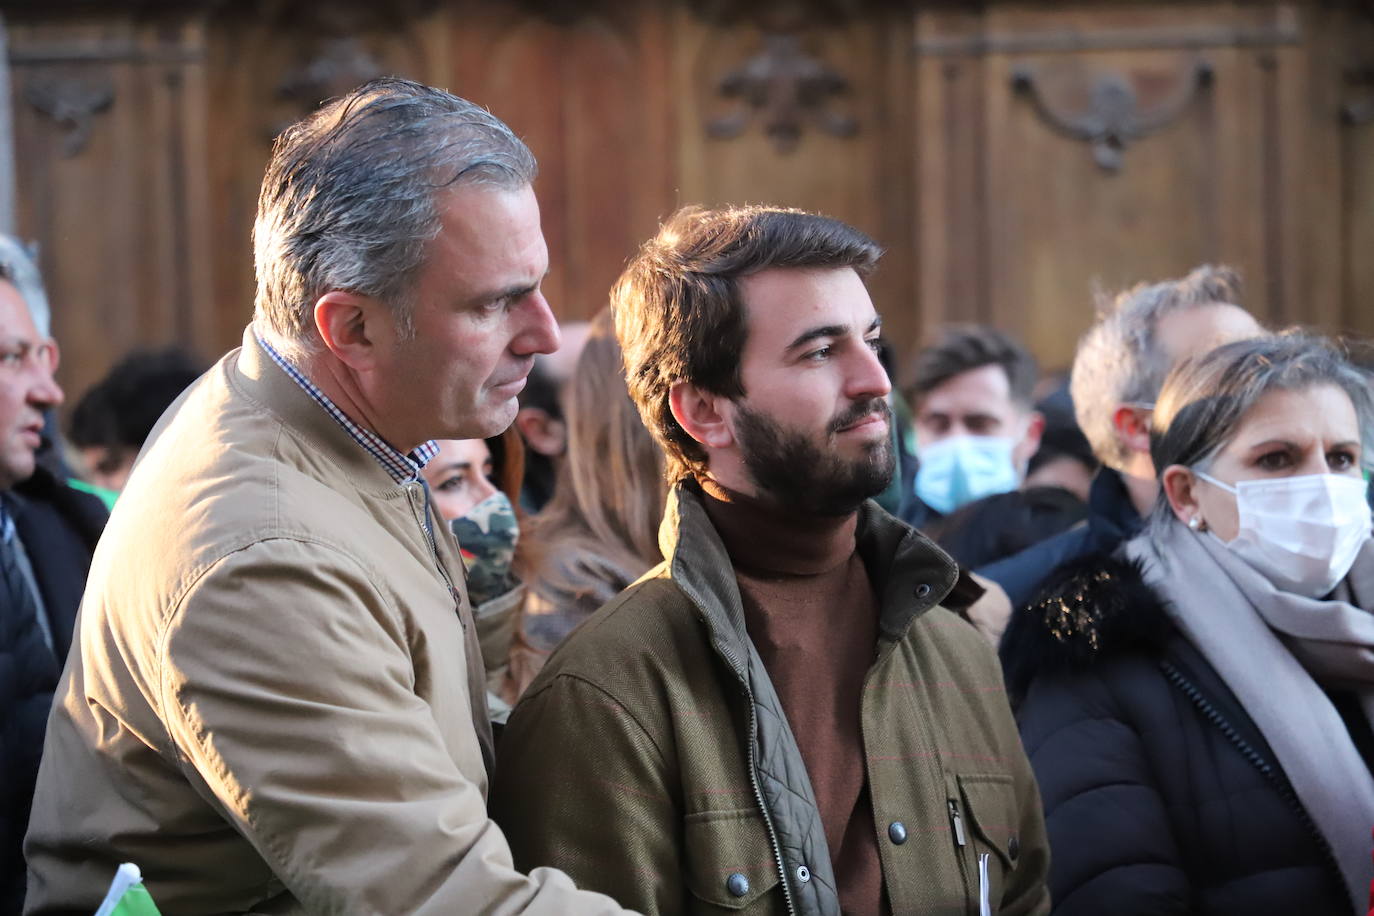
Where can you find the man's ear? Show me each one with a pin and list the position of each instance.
(349, 326)
(1180, 486)
(541, 431)
(698, 413)
(1132, 427)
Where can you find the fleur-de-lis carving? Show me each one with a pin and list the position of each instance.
(1361, 110)
(341, 64)
(73, 103)
(786, 88)
(1114, 118)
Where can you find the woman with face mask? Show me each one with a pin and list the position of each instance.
(1197, 708)
(469, 480)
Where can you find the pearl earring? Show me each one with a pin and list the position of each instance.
(1194, 523)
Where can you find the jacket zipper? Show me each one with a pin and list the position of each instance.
(753, 777)
(767, 817)
(1285, 791)
(434, 552)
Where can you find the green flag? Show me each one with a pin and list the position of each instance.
(127, 895)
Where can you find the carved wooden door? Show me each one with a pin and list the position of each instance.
(1068, 147)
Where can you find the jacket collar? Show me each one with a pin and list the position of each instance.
(262, 380)
(1088, 609)
(909, 573)
(1111, 514)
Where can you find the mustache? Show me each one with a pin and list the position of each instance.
(861, 410)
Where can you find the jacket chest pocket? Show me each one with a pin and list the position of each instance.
(983, 817)
(730, 862)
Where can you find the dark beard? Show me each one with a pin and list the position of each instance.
(801, 476)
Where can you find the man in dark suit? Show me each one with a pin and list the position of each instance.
(47, 533)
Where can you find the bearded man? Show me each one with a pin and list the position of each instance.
(786, 715)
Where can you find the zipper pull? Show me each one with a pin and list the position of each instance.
(958, 823)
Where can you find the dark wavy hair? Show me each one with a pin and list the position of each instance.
(678, 311)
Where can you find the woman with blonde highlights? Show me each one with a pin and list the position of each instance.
(1199, 707)
(600, 531)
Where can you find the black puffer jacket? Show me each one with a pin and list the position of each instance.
(1112, 518)
(1161, 796)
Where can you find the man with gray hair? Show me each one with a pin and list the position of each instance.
(1118, 369)
(47, 532)
(278, 704)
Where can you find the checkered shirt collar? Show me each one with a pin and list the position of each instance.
(403, 468)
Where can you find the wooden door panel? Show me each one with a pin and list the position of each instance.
(588, 97)
(850, 155)
(1060, 223)
(1209, 161)
(118, 205)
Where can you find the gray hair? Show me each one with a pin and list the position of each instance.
(1205, 399)
(19, 265)
(348, 201)
(1119, 360)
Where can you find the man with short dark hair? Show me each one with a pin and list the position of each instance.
(114, 417)
(278, 702)
(540, 421)
(783, 716)
(972, 394)
(47, 532)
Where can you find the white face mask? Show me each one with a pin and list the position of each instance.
(1300, 533)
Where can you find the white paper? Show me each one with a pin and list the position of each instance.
(984, 887)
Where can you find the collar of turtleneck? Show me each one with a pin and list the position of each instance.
(762, 537)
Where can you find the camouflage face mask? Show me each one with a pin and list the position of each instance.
(487, 535)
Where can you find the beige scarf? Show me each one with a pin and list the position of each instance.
(1276, 650)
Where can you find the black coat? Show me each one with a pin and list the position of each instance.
(1161, 796)
(59, 527)
(1111, 519)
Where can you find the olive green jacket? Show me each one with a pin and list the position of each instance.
(652, 761)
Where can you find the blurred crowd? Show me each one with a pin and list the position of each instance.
(740, 612)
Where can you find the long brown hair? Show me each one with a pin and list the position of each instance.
(611, 491)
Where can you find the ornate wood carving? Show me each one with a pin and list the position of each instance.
(1114, 118)
(1360, 111)
(337, 53)
(339, 64)
(73, 102)
(785, 15)
(786, 88)
(1285, 32)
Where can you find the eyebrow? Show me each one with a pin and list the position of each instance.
(510, 292)
(828, 330)
(1289, 444)
(950, 414)
(455, 466)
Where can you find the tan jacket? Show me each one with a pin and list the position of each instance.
(652, 759)
(276, 703)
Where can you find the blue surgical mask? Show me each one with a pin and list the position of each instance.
(960, 469)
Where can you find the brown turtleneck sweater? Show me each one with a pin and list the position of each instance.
(812, 614)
